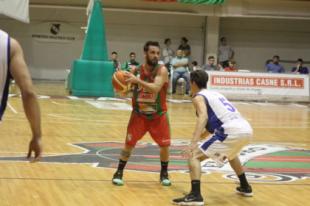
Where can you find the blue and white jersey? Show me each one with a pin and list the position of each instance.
(4, 70)
(223, 115)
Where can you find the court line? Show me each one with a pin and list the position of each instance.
(145, 181)
(67, 104)
(12, 108)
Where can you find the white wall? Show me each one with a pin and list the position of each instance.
(126, 32)
(256, 40)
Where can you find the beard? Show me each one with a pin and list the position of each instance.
(152, 62)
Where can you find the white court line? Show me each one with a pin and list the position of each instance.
(73, 97)
(67, 104)
(12, 108)
(298, 105)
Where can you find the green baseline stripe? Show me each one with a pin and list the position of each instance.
(254, 164)
(290, 153)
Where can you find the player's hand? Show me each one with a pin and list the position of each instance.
(35, 146)
(188, 152)
(131, 78)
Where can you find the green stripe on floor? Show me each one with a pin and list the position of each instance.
(291, 153)
(254, 164)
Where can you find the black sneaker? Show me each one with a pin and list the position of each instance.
(118, 178)
(245, 191)
(164, 178)
(189, 199)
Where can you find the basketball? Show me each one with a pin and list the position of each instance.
(119, 82)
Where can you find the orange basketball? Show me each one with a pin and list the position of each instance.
(119, 82)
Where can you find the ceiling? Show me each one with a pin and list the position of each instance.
(289, 9)
(139, 4)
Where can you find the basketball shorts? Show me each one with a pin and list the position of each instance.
(220, 147)
(158, 127)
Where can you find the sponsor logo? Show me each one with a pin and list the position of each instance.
(55, 28)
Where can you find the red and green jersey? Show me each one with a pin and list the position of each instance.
(146, 102)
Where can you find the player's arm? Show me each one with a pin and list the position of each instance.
(182, 63)
(202, 117)
(155, 87)
(20, 73)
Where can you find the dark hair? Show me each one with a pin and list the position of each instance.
(114, 52)
(184, 39)
(150, 43)
(195, 63)
(276, 56)
(166, 40)
(200, 77)
(300, 60)
(211, 57)
(132, 53)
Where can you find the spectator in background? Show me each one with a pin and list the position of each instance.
(167, 54)
(211, 65)
(185, 47)
(132, 63)
(195, 66)
(226, 53)
(268, 61)
(180, 70)
(300, 69)
(274, 66)
(116, 63)
(231, 66)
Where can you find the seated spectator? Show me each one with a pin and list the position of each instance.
(300, 69)
(132, 63)
(195, 66)
(274, 66)
(231, 66)
(211, 65)
(180, 70)
(116, 63)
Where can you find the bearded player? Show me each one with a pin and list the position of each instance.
(149, 112)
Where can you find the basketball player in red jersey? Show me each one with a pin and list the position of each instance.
(149, 112)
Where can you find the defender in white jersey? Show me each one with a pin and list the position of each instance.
(12, 65)
(227, 133)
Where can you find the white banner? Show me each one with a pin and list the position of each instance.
(259, 83)
(17, 9)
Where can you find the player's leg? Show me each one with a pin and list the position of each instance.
(244, 188)
(210, 148)
(185, 75)
(194, 197)
(124, 156)
(175, 76)
(235, 147)
(164, 161)
(135, 131)
(160, 132)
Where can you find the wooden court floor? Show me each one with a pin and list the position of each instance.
(82, 139)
